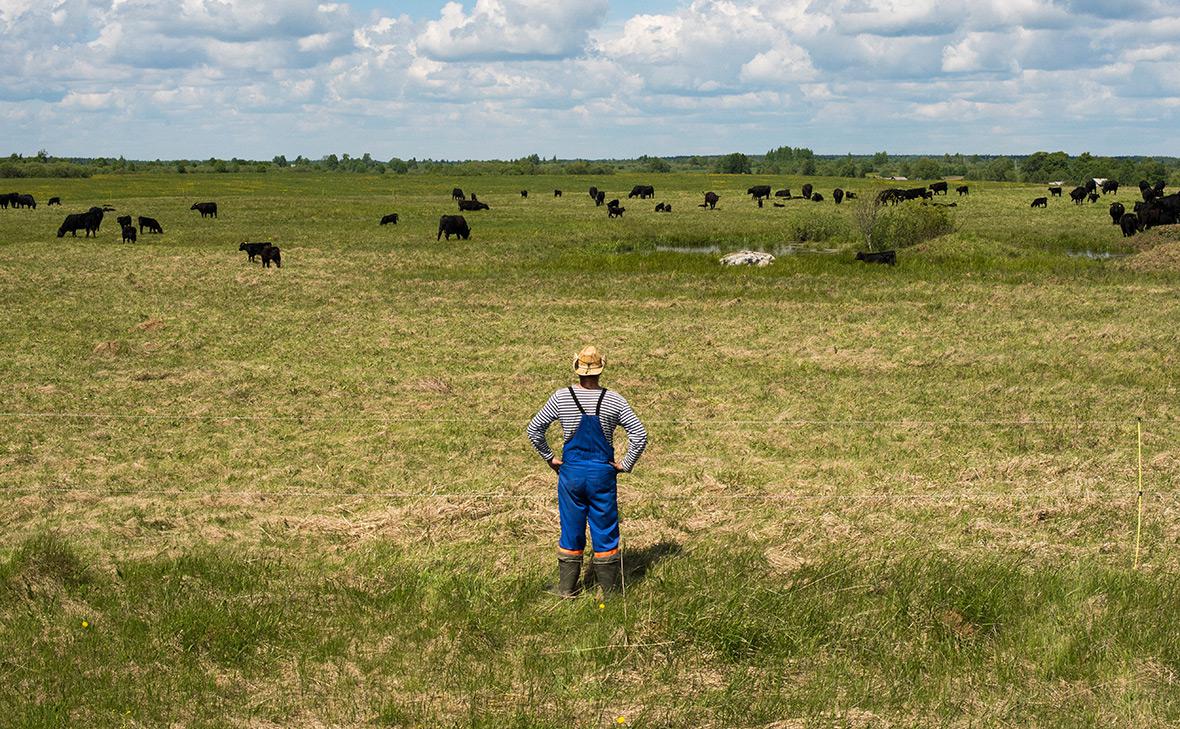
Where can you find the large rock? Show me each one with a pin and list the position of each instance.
(747, 258)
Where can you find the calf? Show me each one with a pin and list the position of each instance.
(128, 234)
(593, 193)
(254, 249)
(838, 196)
(152, 225)
(524, 193)
(615, 211)
(53, 201)
(390, 219)
(659, 207)
(807, 191)
(207, 209)
(471, 205)
(1040, 202)
(123, 220)
(759, 191)
(457, 194)
(785, 192)
(1092, 197)
(557, 193)
(1055, 191)
(1116, 212)
(886, 257)
(938, 187)
(962, 190)
(816, 197)
(711, 199)
(613, 203)
(271, 254)
(600, 198)
(449, 225)
(1129, 224)
(849, 195)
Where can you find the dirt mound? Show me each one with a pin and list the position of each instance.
(1161, 257)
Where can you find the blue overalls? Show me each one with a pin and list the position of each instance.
(586, 487)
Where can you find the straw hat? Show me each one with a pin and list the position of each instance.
(589, 362)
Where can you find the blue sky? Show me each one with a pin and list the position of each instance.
(587, 78)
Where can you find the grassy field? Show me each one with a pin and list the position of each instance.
(874, 496)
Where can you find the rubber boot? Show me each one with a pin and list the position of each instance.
(569, 569)
(607, 573)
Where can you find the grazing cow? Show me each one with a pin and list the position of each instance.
(642, 192)
(1154, 214)
(1129, 224)
(919, 192)
(938, 187)
(123, 220)
(254, 249)
(1110, 186)
(838, 195)
(152, 225)
(711, 199)
(613, 203)
(457, 194)
(272, 254)
(1116, 212)
(449, 225)
(524, 193)
(53, 201)
(660, 207)
(891, 195)
(593, 193)
(615, 211)
(1040, 202)
(1093, 197)
(93, 221)
(390, 219)
(849, 195)
(600, 198)
(668, 208)
(72, 224)
(886, 257)
(962, 190)
(785, 192)
(128, 234)
(807, 191)
(26, 201)
(207, 209)
(759, 191)
(557, 193)
(1091, 185)
(471, 205)
(1055, 191)
(6, 199)
(816, 197)
(1078, 195)
(1147, 191)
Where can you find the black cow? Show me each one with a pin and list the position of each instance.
(471, 205)
(123, 220)
(938, 187)
(272, 254)
(1055, 191)
(72, 224)
(642, 192)
(614, 211)
(524, 193)
(613, 203)
(660, 207)
(1110, 186)
(1040, 202)
(600, 198)
(919, 192)
(807, 191)
(816, 197)
(838, 196)
(892, 195)
(711, 199)
(557, 193)
(449, 225)
(593, 193)
(886, 257)
(962, 190)
(390, 219)
(254, 249)
(1116, 212)
(785, 192)
(26, 201)
(128, 234)
(1091, 185)
(93, 221)
(1129, 224)
(152, 225)
(849, 195)
(207, 209)
(1093, 197)
(53, 201)
(663, 208)
(759, 191)
(457, 194)
(1154, 214)
(6, 199)
(473, 198)
(1078, 195)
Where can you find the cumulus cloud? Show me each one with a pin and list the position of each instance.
(508, 77)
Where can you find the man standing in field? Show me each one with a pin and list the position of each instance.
(587, 470)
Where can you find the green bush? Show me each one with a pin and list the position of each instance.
(910, 224)
(816, 228)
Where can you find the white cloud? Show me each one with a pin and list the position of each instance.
(512, 29)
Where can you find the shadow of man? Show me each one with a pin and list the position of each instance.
(638, 562)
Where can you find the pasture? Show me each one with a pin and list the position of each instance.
(873, 496)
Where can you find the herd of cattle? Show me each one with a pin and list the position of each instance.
(1153, 210)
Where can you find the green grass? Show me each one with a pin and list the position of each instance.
(874, 496)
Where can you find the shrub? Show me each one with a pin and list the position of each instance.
(910, 224)
(816, 228)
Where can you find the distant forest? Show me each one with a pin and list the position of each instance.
(1038, 167)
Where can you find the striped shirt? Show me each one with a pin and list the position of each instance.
(615, 412)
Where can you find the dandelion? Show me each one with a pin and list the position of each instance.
(85, 623)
